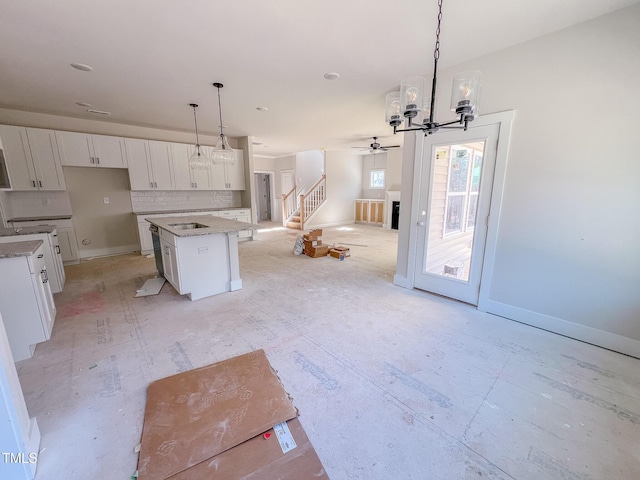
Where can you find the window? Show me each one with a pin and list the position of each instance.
(465, 165)
(377, 179)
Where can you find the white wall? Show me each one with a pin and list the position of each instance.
(373, 162)
(309, 168)
(344, 185)
(568, 248)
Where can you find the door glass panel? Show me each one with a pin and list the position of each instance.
(454, 199)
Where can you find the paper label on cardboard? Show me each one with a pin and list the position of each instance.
(287, 443)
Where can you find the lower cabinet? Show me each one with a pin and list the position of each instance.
(67, 241)
(26, 302)
(146, 242)
(369, 211)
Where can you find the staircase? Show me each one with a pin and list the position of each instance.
(296, 211)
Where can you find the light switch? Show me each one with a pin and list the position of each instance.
(106, 200)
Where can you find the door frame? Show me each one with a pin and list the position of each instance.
(405, 272)
(272, 191)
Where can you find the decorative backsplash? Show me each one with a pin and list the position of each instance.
(167, 200)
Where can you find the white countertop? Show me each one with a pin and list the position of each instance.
(214, 225)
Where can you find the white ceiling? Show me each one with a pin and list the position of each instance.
(152, 58)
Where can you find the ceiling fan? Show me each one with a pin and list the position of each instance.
(375, 147)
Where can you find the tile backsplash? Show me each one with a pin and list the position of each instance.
(167, 200)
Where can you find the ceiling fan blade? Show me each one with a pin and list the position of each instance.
(390, 146)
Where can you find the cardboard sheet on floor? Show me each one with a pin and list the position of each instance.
(151, 287)
(210, 421)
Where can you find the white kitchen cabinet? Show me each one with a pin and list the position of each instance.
(225, 176)
(52, 255)
(26, 303)
(32, 158)
(186, 178)
(85, 150)
(66, 237)
(150, 166)
(170, 260)
(241, 215)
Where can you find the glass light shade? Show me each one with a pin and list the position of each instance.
(222, 152)
(425, 112)
(411, 92)
(198, 159)
(466, 91)
(393, 114)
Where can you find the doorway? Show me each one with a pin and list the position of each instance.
(264, 182)
(455, 196)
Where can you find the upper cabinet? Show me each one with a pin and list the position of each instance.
(85, 150)
(150, 166)
(186, 178)
(228, 176)
(32, 158)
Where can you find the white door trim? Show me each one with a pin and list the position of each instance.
(272, 187)
(405, 276)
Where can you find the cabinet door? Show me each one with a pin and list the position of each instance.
(146, 240)
(68, 244)
(46, 160)
(75, 149)
(170, 264)
(184, 178)
(359, 210)
(137, 152)
(161, 168)
(235, 172)
(217, 174)
(18, 157)
(57, 258)
(108, 151)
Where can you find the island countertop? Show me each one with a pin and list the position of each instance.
(19, 249)
(212, 225)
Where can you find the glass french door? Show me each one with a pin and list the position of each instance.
(455, 195)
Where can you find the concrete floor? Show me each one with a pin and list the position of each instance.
(390, 383)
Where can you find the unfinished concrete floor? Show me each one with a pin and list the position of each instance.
(390, 383)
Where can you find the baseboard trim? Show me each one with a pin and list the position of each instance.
(106, 252)
(600, 338)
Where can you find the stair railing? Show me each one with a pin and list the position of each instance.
(311, 200)
(289, 206)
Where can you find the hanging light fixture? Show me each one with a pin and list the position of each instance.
(198, 159)
(222, 152)
(417, 111)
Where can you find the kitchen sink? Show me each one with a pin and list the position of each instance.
(188, 226)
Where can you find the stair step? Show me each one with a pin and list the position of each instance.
(294, 225)
(295, 218)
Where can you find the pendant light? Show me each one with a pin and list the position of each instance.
(222, 152)
(198, 159)
(418, 111)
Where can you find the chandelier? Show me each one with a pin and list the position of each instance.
(418, 111)
(198, 160)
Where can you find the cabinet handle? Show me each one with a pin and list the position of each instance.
(196, 184)
(41, 255)
(155, 185)
(151, 184)
(40, 182)
(91, 160)
(45, 277)
(34, 183)
(98, 160)
(58, 248)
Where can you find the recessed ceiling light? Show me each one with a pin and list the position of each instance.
(98, 112)
(332, 76)
(262, 109)
(82, 104)
(82, 66)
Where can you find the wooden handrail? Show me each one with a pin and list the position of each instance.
(303, 196)
(285, 212)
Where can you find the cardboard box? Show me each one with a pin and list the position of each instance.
(315, 252)
(340, 252)
(209, 423)
(313, 235)
(313, 243)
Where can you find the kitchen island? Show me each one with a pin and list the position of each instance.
(200, 253)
